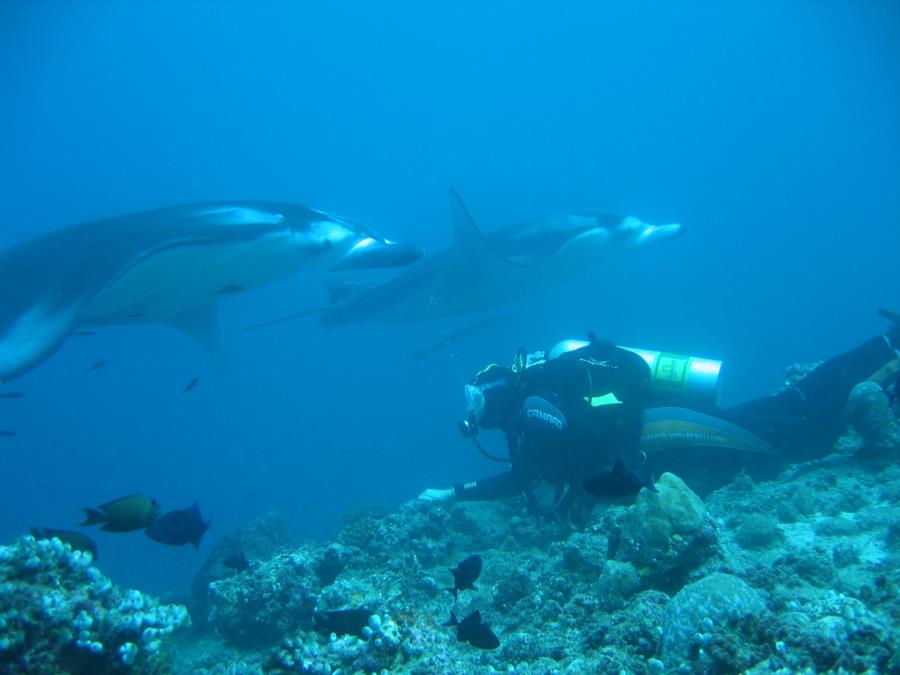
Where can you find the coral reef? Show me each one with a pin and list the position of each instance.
(794, 574)
(260, 540)
(59, 614)
(671, 583)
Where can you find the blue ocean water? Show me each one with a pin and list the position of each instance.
(768, 129)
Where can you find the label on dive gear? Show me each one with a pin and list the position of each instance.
(671, 371)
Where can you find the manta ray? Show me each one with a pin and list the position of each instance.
(481, 271)
(170, 265)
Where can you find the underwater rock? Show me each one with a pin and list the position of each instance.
(870, 415)
(260, 540)
(619, 581)
(591, 601)
(714, 604)
(259, 606)
(804, 500)
(758, 531)
(665, 534)
(59, 614)
(583, 553)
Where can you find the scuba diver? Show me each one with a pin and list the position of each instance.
(593, 419)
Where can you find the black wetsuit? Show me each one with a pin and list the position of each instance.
(806, 416)
(559, 437)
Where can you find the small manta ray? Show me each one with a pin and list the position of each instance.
(618, 483)
(170, 266)
(465, 574)
(479, 271)
(473, 631)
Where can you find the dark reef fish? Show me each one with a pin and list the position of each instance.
(618, 483)
(462, 334)
(190, 385)
(77, 540)
(465, 574)
(237, 561)
(126, 514)
(179, 527)
(472, 630)
(12, 395)
(342, 621)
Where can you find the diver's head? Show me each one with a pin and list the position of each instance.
(490, 399)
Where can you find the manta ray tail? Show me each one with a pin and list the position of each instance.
(285, 319)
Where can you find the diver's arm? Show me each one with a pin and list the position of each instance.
(505, 485)
(508, 484)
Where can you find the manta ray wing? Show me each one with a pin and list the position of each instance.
(169, 266)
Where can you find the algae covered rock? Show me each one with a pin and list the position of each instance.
(260, 540)
(713, 605)
(666, 533)
(758, 531)
(259, 606)
(618, 582)
(870, 415)
(59, 614)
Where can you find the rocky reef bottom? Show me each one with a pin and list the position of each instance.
(799, 574)
(796, 574)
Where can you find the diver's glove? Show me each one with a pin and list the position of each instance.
(435, 495)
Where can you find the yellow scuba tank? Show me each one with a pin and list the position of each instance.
(671, 374)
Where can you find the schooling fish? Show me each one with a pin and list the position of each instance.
(190, 385)
(10, 395)
(618, 483)
(97, 365)
(473, 631)
(465, 574)
(77, 540)
(463, 334)
(342, 621)
(179, 527)
(126, 514)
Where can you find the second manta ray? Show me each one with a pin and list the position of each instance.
(480, 271)
(169, 266)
